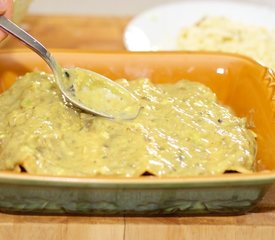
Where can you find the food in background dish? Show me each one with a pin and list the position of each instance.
(181, 130)
(222, 34)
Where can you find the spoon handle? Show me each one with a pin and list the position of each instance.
(31, 42)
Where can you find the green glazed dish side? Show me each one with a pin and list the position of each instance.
(130, 199)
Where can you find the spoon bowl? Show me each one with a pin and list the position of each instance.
(85, 89)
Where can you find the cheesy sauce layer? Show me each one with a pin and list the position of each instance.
(181, 130)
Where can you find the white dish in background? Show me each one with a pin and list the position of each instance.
(159, 28)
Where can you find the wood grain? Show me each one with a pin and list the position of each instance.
(106, 33)
(78, 32)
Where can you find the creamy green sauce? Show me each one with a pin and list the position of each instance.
(100, 94)
(181, 130)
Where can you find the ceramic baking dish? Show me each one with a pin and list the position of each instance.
(239, 82)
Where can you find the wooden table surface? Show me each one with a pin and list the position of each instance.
(77, 32)
(105, 33)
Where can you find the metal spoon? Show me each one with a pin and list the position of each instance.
(85, 89)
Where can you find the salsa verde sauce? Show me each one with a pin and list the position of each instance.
(181, 130)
